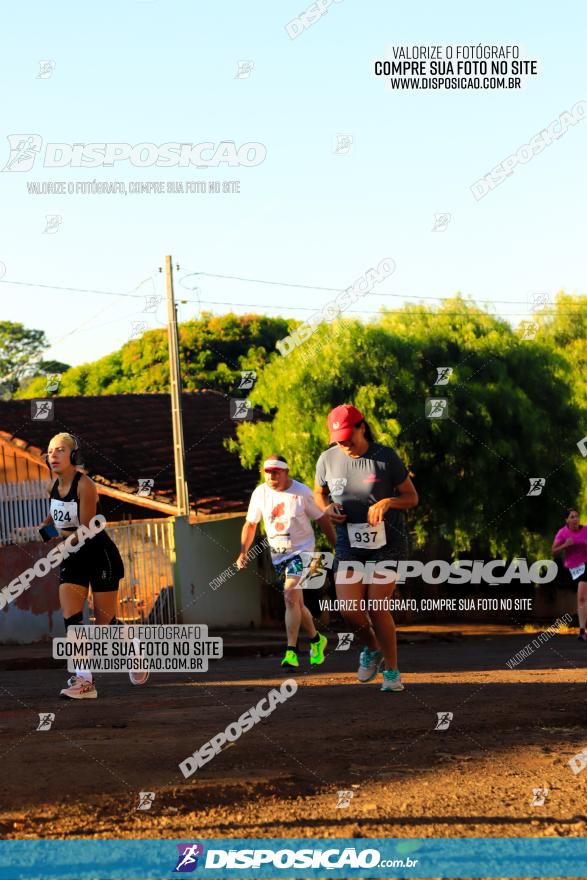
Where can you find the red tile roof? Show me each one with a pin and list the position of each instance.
(127, 437)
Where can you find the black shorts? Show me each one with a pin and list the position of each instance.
(98, 564)
(574, 581)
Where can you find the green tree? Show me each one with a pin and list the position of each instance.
(510, 418)
(213, 351)
(563, 328)
(20, 354)
(47, 368)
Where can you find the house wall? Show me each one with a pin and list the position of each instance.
(35, 615)
(203, 552)
(16, 467)
(206, 550)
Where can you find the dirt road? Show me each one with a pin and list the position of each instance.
(513, 730)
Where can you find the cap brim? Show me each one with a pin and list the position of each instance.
(341, 435)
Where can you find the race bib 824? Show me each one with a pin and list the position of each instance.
(64, 513)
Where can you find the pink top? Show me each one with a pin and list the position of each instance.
(576, 555)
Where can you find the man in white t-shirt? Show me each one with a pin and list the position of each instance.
(287, 508)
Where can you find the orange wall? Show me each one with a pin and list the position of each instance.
(15, 467)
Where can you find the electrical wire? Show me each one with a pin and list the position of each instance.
(244, 305)
(252, 281)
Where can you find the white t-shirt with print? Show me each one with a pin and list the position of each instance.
(286, 516)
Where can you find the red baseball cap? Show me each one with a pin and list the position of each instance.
(342, 421)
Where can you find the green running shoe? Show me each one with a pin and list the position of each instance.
(317, 651)
(290, 659)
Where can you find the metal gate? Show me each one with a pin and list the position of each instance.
(148, 552)
(22, 507)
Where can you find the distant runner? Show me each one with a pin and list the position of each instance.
(287, 508)
(572, 541)
(370, 488)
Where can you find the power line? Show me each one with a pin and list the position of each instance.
(83, 325)
(340, 289)
(273, 283)
(266, 305)
(72, 289)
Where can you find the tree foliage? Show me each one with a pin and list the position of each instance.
(213, 351)
(517, 406)
(20, 354)
(511, 418)
(563, 327)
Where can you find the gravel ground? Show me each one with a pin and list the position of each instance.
(512, 731)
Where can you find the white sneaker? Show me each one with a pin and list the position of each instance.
(392, 680)
(138, 677)
(370, 662)
(81, 690)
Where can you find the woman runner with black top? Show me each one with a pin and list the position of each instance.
(370, 488)
(74, 503)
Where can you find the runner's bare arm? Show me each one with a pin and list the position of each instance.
(321, 496)
(557, 548)
(88, 501)
(321, 499)
(407, 498)
(247, 538)
(48, 521)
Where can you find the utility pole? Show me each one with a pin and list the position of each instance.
(181, 488)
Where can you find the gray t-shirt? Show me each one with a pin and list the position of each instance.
(357, 483)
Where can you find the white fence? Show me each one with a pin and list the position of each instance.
(22, 507)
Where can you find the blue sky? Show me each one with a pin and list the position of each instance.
(148, 71)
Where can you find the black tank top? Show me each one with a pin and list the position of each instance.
(65, 511)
